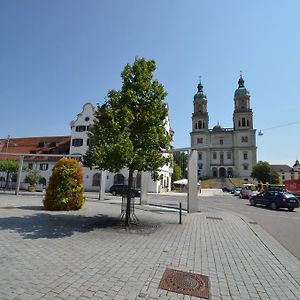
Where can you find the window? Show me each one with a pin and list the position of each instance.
(41, 144)
(89, 143)
(199, 124)
(214, 155)
(86, 119)
(43, 181)
(245, 155)
(30, 166)
(203, 125)
(247, 122)
(243, 122)
(221, 141)
(244, 139)
(221, 155)
(80, 128)
(43, 167)
(96, 179)
(228, 155)
(199, 155)
(245, 166)
(196, 125)
(77, 142)
(200, 166)
(199, 140)
(53, 144)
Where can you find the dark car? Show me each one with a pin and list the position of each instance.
(276, 199)
(121, 189)
(226, 189)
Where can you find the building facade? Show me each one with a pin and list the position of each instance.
(80, 143)
(224, 152)
(286, 172)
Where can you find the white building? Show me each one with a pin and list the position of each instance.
(286, 172)
(224, 152)
(80, 144)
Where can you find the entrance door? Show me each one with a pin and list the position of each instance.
(222, 172)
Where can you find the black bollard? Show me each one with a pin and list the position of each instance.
(180, 210)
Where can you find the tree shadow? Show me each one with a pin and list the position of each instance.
(53, 226)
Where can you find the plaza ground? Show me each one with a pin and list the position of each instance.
(86, 254)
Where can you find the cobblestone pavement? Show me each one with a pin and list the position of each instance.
(88, 255)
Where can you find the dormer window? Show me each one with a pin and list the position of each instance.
(80, 128)
(41, 144)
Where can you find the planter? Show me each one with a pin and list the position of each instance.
(31, 188)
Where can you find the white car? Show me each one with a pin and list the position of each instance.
(237, 191)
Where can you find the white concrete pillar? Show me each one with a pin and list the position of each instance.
(144, 187)
(21, 160)
(102, 185)
(192, 197)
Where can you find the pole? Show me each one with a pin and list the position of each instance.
(19, 174)
(180, 212)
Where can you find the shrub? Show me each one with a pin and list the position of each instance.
(65, 189)
(33, 177)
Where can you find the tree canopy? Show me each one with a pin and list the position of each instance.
(129, 128)
(264, 173)
(8, 165)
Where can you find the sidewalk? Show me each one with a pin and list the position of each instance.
(87, 255)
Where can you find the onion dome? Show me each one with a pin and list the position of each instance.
(241, 90)
(200, 95)
(218, 127)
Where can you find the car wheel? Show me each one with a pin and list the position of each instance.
(274, 206)
(291, 208)
(252, 202)
(114, 193)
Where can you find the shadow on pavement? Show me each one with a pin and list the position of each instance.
(43, 225)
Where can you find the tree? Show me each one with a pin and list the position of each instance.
(129, 128)
(177, 172)
(264, 173)
(9, 166)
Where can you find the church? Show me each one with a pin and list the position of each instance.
(224, 152)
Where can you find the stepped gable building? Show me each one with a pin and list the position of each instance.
(224, 152)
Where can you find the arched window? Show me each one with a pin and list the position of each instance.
(43, 181)
(239, 123)
(243, 122)
(199, 124)
(196, 125)
(119, 179)
(138, 181)
(203, 125)
(96, 179)
(247, 122)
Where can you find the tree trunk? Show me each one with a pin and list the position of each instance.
(128, 206)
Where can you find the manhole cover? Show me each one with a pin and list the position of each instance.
(214, 218)
(7, 207)
(191, 284)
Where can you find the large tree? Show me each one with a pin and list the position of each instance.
(129, 128)
(264, 173)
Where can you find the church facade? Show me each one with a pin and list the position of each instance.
(224, 152)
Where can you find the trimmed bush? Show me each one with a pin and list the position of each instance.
(65, 189)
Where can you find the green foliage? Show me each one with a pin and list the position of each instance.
(65, 189)
(264, 173)
(10, 166)
(180, 158)
(33, 177)
(177, 173)
(129, 128)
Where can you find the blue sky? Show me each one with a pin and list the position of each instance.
(56, 55)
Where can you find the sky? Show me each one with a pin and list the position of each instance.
(56, 55)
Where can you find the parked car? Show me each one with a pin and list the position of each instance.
(120, 189)
(237, 191)
(276, 199)
(226, 189)
(245, 193)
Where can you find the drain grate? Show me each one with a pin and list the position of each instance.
(214, 218)
(7, 207)
(186, 283)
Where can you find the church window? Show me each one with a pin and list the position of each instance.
(199, 155)
(244, 139)
(221, 141)
(228, 155)
(239, 123)
(196, 125)
(200, 166)
(245, 166)
(245, 155)
(199, 140)
(247, 122)
(214, 155)
(243, 122)
(203, 125)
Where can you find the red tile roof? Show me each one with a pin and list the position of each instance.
(35, 145)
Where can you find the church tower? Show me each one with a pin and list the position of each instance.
(200, 114)
(242, 115)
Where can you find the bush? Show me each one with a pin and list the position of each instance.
(65, 189)
(33, 177)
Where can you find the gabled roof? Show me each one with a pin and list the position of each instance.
(35, 145)
(282, 168)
